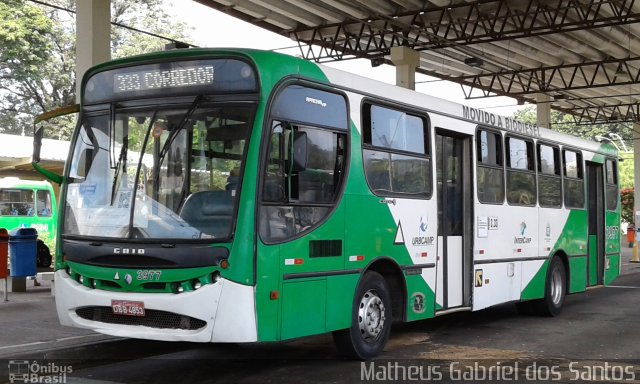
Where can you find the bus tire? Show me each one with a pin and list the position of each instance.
(555, 290)
(370, 322)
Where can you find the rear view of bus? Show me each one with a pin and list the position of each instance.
(151, 202)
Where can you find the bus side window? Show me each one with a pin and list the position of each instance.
(292, 195)
(549, 177)
(521, 176)
(305, 161)
(612, 184)
(573, 179)
(490, 167)
(43, 203)
(395, 151)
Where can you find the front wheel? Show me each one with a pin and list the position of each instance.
(555, 290)
(371, 320)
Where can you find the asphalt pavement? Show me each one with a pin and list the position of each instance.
(30, 327)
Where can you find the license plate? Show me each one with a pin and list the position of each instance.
(127, 308)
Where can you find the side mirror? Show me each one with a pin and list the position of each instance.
(38, 133)
(37, 143)
(299, 155)
(85, 162)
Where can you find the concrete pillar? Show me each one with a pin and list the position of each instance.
(406, 61)
(93, 36)
(636, 170)
(543, 108)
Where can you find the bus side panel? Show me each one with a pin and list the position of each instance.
(499, 283)
(533, 286)
(577, 273)
(390, 227)
(612, 250)
(511, 235)
(268, 281)
(572, 241)
(303, 307)
(340, 291)
(612, 268)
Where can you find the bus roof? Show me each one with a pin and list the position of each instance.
(14, 182)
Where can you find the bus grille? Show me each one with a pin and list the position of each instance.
(153, 318)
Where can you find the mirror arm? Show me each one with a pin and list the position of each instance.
(48, 174)
(38, 133)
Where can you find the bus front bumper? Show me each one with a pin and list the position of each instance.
(219, 312)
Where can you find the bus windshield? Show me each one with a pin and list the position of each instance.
(157, 172)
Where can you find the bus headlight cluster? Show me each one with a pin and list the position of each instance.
(195, 284)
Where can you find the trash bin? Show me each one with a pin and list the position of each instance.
(4, 252)
(631, 235)
(23, 251)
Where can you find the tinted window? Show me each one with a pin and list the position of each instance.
(612, 185)
(43, 203)
(305, 163)
(490, 171)
(521, 178)
(396, 152)
(396, 130)
(549, 179)
(16, 202)
(311, 106)
(573, 180)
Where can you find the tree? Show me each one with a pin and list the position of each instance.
(25, 46)
(37, 48)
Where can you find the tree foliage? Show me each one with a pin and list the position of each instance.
(37, 55)
(25, 46)
(626, 202)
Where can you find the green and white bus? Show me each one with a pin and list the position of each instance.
(232, 195)
(28, 204)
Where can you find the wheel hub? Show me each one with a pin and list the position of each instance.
(371, 315)
(556, 286)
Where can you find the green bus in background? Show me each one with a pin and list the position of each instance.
(29, 204)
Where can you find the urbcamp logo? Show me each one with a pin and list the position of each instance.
(522, 239)
(423, 226)
(422, 240)
(128, 279)
(548, 232)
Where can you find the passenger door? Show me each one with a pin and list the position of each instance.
(453, 164)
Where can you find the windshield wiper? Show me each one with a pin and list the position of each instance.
(174, 133)
(122, 158)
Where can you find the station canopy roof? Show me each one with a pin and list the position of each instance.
(583, 54)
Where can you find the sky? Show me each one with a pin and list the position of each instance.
(216, 29)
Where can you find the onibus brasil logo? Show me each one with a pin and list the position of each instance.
(25, 371)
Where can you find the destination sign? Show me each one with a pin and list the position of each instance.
(162, 79)
(506, 123)
(159, 79)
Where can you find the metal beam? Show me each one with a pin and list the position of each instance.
(567, 77)
(458, 25)
(619, 113)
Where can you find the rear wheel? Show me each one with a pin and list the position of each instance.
(371, 320)
(555, 290)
